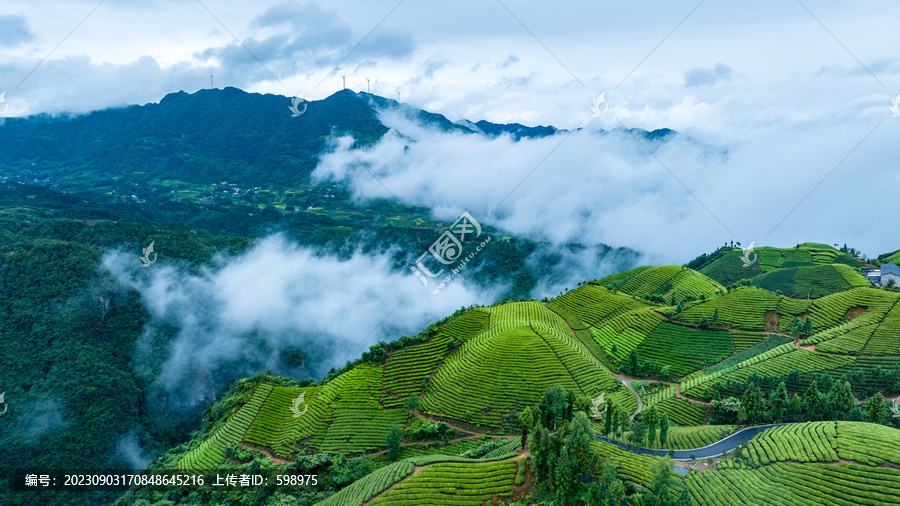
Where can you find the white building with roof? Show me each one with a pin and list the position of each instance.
(873, 275)
(890, 272)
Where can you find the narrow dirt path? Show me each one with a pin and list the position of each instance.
(267, 453)
(811, 347)
(416, 470)
(640, 404)
(682, 396)
(452, 424)
(414, 443)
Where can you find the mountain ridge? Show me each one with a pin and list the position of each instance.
(250, 138)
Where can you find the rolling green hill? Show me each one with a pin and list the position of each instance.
(727, 266)
(669, 284)
(810, 281)
(657, 357)
(893, 258)
(525, 349)
(718, 361)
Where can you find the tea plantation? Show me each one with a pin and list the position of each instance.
(793, 465)
(800, 339)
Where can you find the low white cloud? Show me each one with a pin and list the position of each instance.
(671, 200)
(241, 312)
(129, 448)
(560, 269)
(40, 417)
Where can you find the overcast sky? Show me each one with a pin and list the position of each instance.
(786, 103)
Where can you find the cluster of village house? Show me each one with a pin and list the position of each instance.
(883, 275)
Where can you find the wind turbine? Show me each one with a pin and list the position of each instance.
(398, 96)
(211, 80)
(344, 78)
(367, 85)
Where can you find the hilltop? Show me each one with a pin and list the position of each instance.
(726, 265)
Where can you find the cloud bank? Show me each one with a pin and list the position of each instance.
(778, 183)
(243, 313)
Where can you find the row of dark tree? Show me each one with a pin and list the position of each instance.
(568, 467)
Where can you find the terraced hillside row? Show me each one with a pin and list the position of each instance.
(479, 368)
(592, 304)
(342, 416)
(778, 362)
(808, 442)
(363, 490)
(751, 308)
(743, 340)
(359, 422)
(620, 335)
(768, 472)
(686, 438)
(211, 452)
(671, 283)
(869, 444)
(680, 411)
(422, 449)
(407, 368)
(618, 329)
(526, 349)
(683, 349)
(683, 412)
(874, 332)
(454, 483)
(835, 309)
(787, 484)
(632, 468)
(277, 427)
(442, 481)
(664, 393)
(747, 308)
(523, 346)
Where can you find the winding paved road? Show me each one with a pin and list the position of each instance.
(723, 445)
